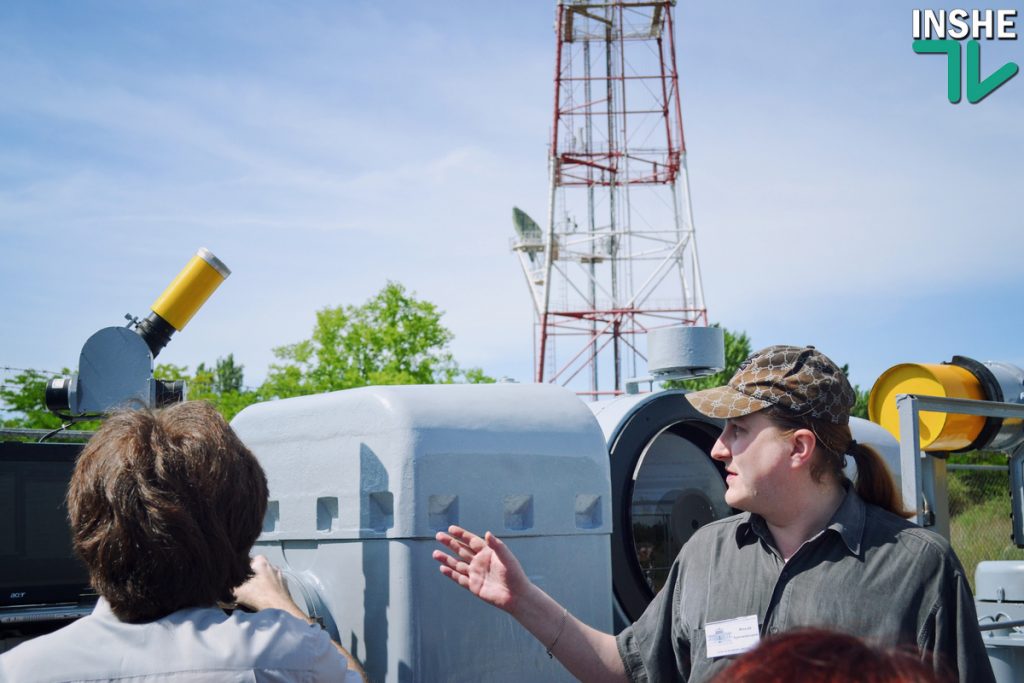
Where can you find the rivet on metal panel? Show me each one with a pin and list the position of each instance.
(381, 510)
(588, 511)
(442, 512)
(326, 512)
(519, 512)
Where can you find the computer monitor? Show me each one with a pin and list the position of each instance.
(37, 565)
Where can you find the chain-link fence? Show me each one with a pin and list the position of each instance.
(979, 508)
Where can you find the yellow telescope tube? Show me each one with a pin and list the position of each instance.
(939, 431)
(190, 289)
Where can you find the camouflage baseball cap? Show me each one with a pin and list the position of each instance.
(800, 379)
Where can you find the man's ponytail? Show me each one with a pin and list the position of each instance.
(874, 482)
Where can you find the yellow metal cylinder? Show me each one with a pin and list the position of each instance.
(939, 431)
(190, 289)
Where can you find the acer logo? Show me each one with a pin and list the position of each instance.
(15, 596)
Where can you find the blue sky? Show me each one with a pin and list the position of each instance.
(323, 148)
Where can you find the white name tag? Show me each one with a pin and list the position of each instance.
(730, 636)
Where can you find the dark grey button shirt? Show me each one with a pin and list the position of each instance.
(869, 573)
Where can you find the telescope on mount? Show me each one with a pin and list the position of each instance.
(115, 367)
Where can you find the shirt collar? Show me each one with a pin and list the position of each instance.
(746, 533)
(848, 522)
(102, 609)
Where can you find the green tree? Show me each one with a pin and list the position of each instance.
(223, 385)
(737, 348)
(171, 373)
(392, 338)
(228, 376)
(23, 398)
(860, 406)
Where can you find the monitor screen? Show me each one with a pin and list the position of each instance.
(37, 565)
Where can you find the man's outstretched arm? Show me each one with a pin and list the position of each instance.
(487, 568)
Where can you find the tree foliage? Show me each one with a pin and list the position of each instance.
(223, 385)
(393, 338)
(860, 406)
(23, 398)
(226, 376)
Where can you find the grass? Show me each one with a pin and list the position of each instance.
(980, 525)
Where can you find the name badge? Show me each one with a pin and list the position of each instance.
(730, 636)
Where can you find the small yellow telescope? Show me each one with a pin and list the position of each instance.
(183, 297)
(115, 367)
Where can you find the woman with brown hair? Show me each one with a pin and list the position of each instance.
(165, 506)
(810, 548)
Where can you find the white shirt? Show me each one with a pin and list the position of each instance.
(195, 644)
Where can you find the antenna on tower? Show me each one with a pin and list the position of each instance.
(617, 256)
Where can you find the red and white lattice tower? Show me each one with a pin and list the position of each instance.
(618, 255)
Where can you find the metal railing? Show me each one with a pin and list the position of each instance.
(923, 478)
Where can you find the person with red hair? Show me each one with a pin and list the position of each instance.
(824, 656)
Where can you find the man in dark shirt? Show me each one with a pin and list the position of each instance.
(811, 548)
(868, 572)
